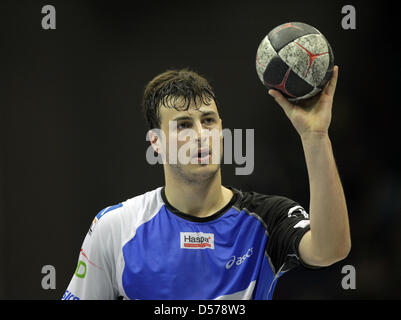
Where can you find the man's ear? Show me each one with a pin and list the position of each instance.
(154, 140)
(157, 139)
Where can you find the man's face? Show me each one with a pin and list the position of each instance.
(197, 133)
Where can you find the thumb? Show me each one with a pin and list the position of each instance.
(282, 101)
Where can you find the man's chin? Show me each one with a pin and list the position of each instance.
(202, 168)
(196, 172)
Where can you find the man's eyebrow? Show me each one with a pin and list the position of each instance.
(204, 114)
(209, 113)
(182, 118)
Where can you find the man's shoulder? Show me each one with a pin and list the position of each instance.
(252, 199)
(137, 208)
(263, 204)
(144, 203)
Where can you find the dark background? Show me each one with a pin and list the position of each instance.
(73, 136)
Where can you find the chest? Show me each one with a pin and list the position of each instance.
(173, 259)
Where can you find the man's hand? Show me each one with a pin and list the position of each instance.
(311, 116)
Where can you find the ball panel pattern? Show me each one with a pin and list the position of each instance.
(308, 57)
(296, 86)
(326, 79)
(285, 33)
(279, 76)
(329, 72)
(275, 72)
(312, 93)
(263, 56)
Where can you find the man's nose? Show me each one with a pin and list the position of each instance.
(201, 132)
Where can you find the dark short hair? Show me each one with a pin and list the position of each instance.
(167, 87)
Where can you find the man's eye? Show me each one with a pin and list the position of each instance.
(209, 120)
(183, 125)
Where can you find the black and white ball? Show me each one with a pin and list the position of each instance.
(296, 59)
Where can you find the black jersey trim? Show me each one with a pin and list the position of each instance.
(286, 266)
(189, 217)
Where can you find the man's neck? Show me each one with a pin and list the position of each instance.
(198, 199)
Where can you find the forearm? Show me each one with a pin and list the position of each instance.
(330, 235)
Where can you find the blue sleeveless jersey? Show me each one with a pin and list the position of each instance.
(144, 248)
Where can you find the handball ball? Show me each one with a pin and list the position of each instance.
(296, 59)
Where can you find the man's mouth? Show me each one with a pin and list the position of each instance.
(202, 155)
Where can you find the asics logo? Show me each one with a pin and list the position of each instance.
(239, 260)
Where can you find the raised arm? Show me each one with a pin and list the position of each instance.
(328, 240)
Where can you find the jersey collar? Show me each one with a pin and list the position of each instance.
(212, 217)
